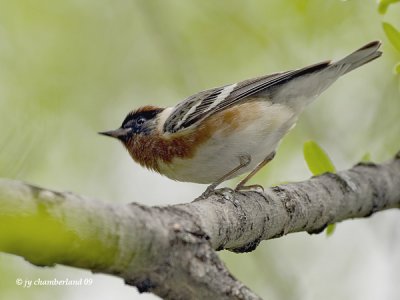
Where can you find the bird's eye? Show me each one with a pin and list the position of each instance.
(140, 120)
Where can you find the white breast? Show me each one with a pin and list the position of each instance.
(262, 127)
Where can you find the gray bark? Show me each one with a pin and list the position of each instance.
(170, 251)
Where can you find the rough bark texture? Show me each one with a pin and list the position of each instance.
(170, 250)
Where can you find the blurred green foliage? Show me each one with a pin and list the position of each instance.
(72, 68)
(366, 157)
(317, 159)
(393, 35)
(384, 4)
(397, 68)
(391, 32)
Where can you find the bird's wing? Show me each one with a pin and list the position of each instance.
(201, 105)
(292, 88)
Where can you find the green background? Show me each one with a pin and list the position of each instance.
(71, 68)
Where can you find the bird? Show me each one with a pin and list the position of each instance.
(227, 131)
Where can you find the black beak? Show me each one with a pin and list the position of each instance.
(117, 133)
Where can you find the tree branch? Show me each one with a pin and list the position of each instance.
(170, 250)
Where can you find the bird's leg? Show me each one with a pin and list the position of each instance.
(244, 162)
(241, 185)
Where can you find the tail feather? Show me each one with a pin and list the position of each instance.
(360, 57)
(311, 82)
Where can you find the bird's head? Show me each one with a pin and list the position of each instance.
(142, 121)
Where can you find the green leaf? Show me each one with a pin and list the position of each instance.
(366, 157)
(392, 34)
(384, 4)
(397, 68)
(330, 229)
(316, 158)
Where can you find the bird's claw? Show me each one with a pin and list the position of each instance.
(226, 193)
(254, 187)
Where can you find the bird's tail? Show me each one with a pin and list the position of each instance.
(359, 57)
(309, 82)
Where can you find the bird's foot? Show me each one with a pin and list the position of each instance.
(254, 187)
(225, 193)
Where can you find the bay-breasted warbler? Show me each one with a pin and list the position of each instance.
(224, 132)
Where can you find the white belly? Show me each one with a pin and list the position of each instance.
(221, 153)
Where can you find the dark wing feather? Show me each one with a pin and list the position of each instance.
(183, 108)
(203, 104)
